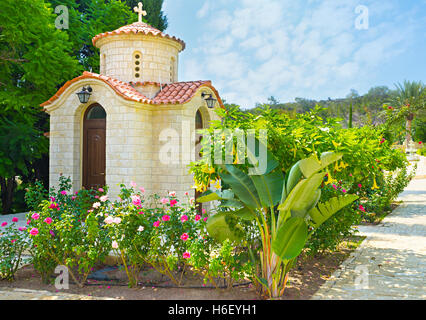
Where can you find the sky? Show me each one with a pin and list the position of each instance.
(254, 49)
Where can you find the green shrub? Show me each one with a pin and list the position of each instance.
(35, 195)
(367, 155)
(64, 232)
(13, 242)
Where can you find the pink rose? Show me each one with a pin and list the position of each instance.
(197, 217)
(172, 194)
(15, 219)
(22, 228)
(184, 218)
(141, 212)
(117, 220)
(186, 255)
(4, 224)
(34, 231)
(205, 219)
(186, 193)
(109, 220)
(114, 244)
(48, 220)
(184, 237)
(344, 190)
(28, 221)
(133, 184)
(136, 200)
(63, 192)
(204, 211)
(360, 185)
(35, 216)
(101, 190)
(173, 202)
(13, 241)
(166, 218)
(361, 208)
(96, 205)
(73, 198)
(164, 201)
(334, 186)
(156, 224)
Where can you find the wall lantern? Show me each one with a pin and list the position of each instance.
(84, 94)
(209, 100)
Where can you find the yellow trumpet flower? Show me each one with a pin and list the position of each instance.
(206, 169)
(375, 186)
(330, 179)
(336, 167)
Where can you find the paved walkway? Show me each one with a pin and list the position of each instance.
(391, 262)
(27, 294)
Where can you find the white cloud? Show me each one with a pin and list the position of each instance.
(204, 10)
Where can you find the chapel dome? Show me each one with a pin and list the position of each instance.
(141, 29)
(139, 52)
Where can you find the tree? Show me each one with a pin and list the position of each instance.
(35, 58)
(410, 98)
(87, 18)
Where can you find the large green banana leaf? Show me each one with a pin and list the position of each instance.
(245, 214)
(224, 225)
(290, 238)
(242, 186)
(269, 187)
(301, 209)
(293, 179)
(311, 165)
(271, 163)
(216, 195)
(325, 210)
(301, 197)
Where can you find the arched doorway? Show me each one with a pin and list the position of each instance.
(94, 147)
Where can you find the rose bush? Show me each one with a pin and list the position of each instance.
(13, 242)
(65, 232)
(79, 229)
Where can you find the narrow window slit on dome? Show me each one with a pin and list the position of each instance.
(137, 62)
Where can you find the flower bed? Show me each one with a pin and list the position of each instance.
(80, 230)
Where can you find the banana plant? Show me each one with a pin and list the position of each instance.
(286, 211)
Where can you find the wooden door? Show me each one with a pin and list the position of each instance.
(94, 147)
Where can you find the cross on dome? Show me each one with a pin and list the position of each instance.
(140, 12)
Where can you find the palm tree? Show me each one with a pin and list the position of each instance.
(410, 97)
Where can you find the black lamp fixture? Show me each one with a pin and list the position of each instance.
(84, 94)
(209, 100)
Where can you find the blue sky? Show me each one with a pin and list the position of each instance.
(252, 49)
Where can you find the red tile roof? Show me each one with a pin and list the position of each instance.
(174, 93)
(138, 28)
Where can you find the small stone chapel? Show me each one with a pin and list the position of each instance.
(114, 127)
